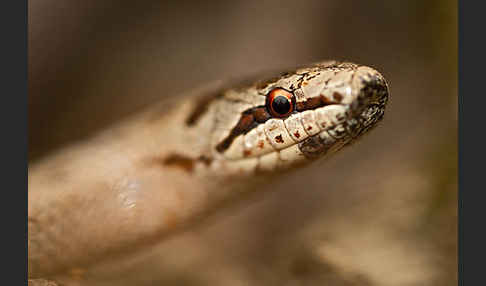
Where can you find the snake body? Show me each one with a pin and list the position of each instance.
(138, 181)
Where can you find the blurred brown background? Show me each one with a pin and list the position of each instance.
(382, 213)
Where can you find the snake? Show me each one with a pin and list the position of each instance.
(129, 186)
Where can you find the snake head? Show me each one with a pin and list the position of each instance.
(295, 117)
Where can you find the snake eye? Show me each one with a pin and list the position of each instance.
(280, 102)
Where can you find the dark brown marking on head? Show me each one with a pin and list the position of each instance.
(247, 153)
(223, 145)
(312, 76)
(297, 134)
(305, 79)
(309, 128)
(279, 139)
(179, 161)
(200, 107)
(246, 121)
(326, 101)
(261, 114)
(337, 96)
(245, 124)
(310, 103)
(176, 160)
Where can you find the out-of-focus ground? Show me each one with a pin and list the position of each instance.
(384, 212)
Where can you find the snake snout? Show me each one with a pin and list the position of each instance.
(374, 90)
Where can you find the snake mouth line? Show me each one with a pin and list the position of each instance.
(312, 147)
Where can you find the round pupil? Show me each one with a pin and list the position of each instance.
(281, 104)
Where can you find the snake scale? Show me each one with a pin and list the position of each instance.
(132, 184)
